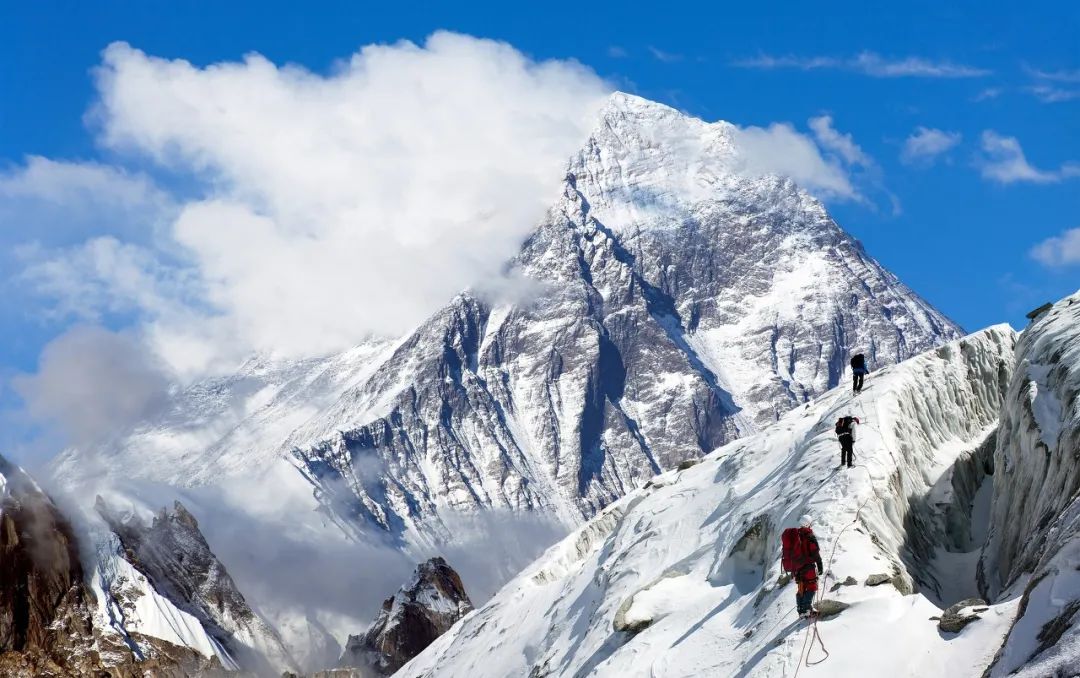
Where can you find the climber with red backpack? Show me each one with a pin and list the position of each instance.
(845, 432)
(801, 557)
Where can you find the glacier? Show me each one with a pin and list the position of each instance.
(680, 578)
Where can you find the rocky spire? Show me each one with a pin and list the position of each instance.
(410, 620)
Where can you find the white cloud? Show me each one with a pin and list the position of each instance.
(1056, 76)
(665, 57)
(780, 149)
(616, 52)
(1050, 94)
(1051, 87)
(1058, 251)
(841, 144)
(925, 144)
(74, 372)
(331, 206)
(988, 94)
(52, 202)
(1004, 161)
(867, 63)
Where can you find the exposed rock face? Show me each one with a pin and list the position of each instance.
(410, 620)
(44, 611)
(1035, 522)
(173, 555)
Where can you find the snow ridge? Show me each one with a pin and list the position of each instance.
(679, 578)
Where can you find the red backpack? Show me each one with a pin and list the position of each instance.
(796, 550)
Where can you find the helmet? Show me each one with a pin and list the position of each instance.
(805, 521)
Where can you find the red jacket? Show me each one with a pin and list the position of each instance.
(808, 574)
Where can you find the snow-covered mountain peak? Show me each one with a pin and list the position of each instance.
(647, 165)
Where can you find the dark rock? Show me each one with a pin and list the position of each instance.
(850, 581)
(688, 463)
(957, 616)
(410, 620)
(878, 579)
(46, 620)
(830, 608)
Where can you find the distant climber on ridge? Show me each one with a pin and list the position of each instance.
(858, 371)
(801, 557)
(845, 432)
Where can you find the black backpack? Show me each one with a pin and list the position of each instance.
(843, 425)
(858, 360)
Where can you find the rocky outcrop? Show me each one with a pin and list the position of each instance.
(44, 605)
(48, 625)
(959, 615)
(410, 620)
(173, 555)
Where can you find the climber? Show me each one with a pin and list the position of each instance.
(858, 371)
(845, 432)
(801, 557)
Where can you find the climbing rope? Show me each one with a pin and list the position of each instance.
(812, 633)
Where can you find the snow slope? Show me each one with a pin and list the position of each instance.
(694, 555)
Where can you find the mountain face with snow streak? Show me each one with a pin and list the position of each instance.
(56, 619)
(680, 306)
(172, 553)
(681, 577)
(673, 302)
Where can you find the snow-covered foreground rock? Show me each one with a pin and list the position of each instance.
(679, 578)
(423, 609)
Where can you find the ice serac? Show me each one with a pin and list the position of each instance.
(680, 577)
(173, 556)
(680, 301)
(410, 620)
(1034, 545)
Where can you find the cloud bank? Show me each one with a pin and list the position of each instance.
(329, 206)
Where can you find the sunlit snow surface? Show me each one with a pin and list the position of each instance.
(671, 551)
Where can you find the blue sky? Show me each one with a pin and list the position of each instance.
(996, 87)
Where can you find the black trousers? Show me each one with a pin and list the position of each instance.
(856, 380)
(847, 451)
